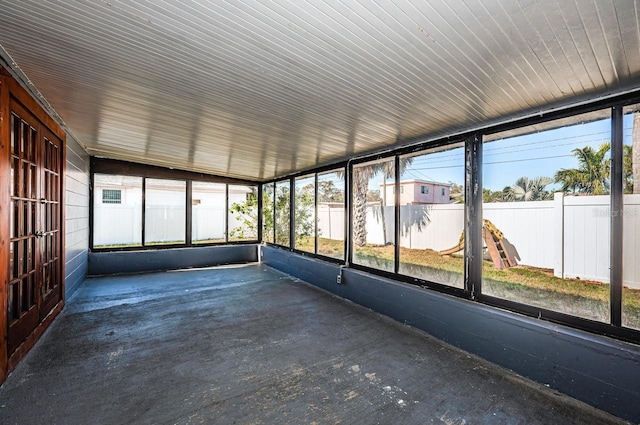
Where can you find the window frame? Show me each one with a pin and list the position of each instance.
(473, 210)
(124, 168)
(334, 168)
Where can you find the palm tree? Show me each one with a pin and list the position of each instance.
(592, 175)
(526, 189)
(627, 170)
(361, 177)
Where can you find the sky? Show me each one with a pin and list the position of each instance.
(506, 160)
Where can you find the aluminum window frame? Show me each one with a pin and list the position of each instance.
(473, 142)
(124, 168)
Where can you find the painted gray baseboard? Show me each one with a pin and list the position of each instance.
(106, 263)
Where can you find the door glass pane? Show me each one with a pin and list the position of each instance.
(29, 291)
(32, 179)
(24, 139)
(546, 215)
(165, 212)
(305, 212)
(243, 212)
(15, 175)
(14, 219)
(14, 296)
(432, 216)
(117, 224)
(26, 184)
(267, 212)
(20, 257)
(331, 214)
(283, 213)
(13, 272)
(374, 214)
(631, 218)
(208, 212)
(15, 134)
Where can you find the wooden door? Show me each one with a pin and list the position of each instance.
(35, 269)
(49, 237)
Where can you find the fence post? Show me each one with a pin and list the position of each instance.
(558, 234)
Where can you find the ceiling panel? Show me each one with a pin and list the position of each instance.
(263, 88)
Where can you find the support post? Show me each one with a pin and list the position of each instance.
(188, 214)
(473, 216)
(348, 223)
(396, 206)
(315, 215)
(226, 216)
(260, 210)
(617, 206)
(292, 213)
(144, 212)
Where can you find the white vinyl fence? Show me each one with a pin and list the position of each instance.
(208, 222)
(117, 225)
(569, 234)
(121, 224)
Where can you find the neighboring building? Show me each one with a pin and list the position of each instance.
(417, 192)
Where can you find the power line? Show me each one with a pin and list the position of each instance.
(545, 140)
(501, 162)
(539, 148)
(501, 150)
(527, 159)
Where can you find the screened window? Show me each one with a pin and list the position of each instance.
(165, 212)
(374, 214)
(431, 233)
(305, 213)
(283, 213)
(546, 215)
(117, 224)
(631, 218)
(268, 228)
(208, 212)
(243, 212)
(331, 214)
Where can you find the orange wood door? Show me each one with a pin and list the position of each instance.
(23, 313)
(49, 234)
(35, 270)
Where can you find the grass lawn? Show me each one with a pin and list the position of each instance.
(527, 285)
(329, 247)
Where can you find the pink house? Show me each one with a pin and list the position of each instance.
(416, 192)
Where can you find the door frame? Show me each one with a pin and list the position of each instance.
(10, 88)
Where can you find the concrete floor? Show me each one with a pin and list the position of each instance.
(249, 345)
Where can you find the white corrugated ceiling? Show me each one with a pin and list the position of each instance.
(261, 88)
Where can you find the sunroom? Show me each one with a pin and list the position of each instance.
(320, 212)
